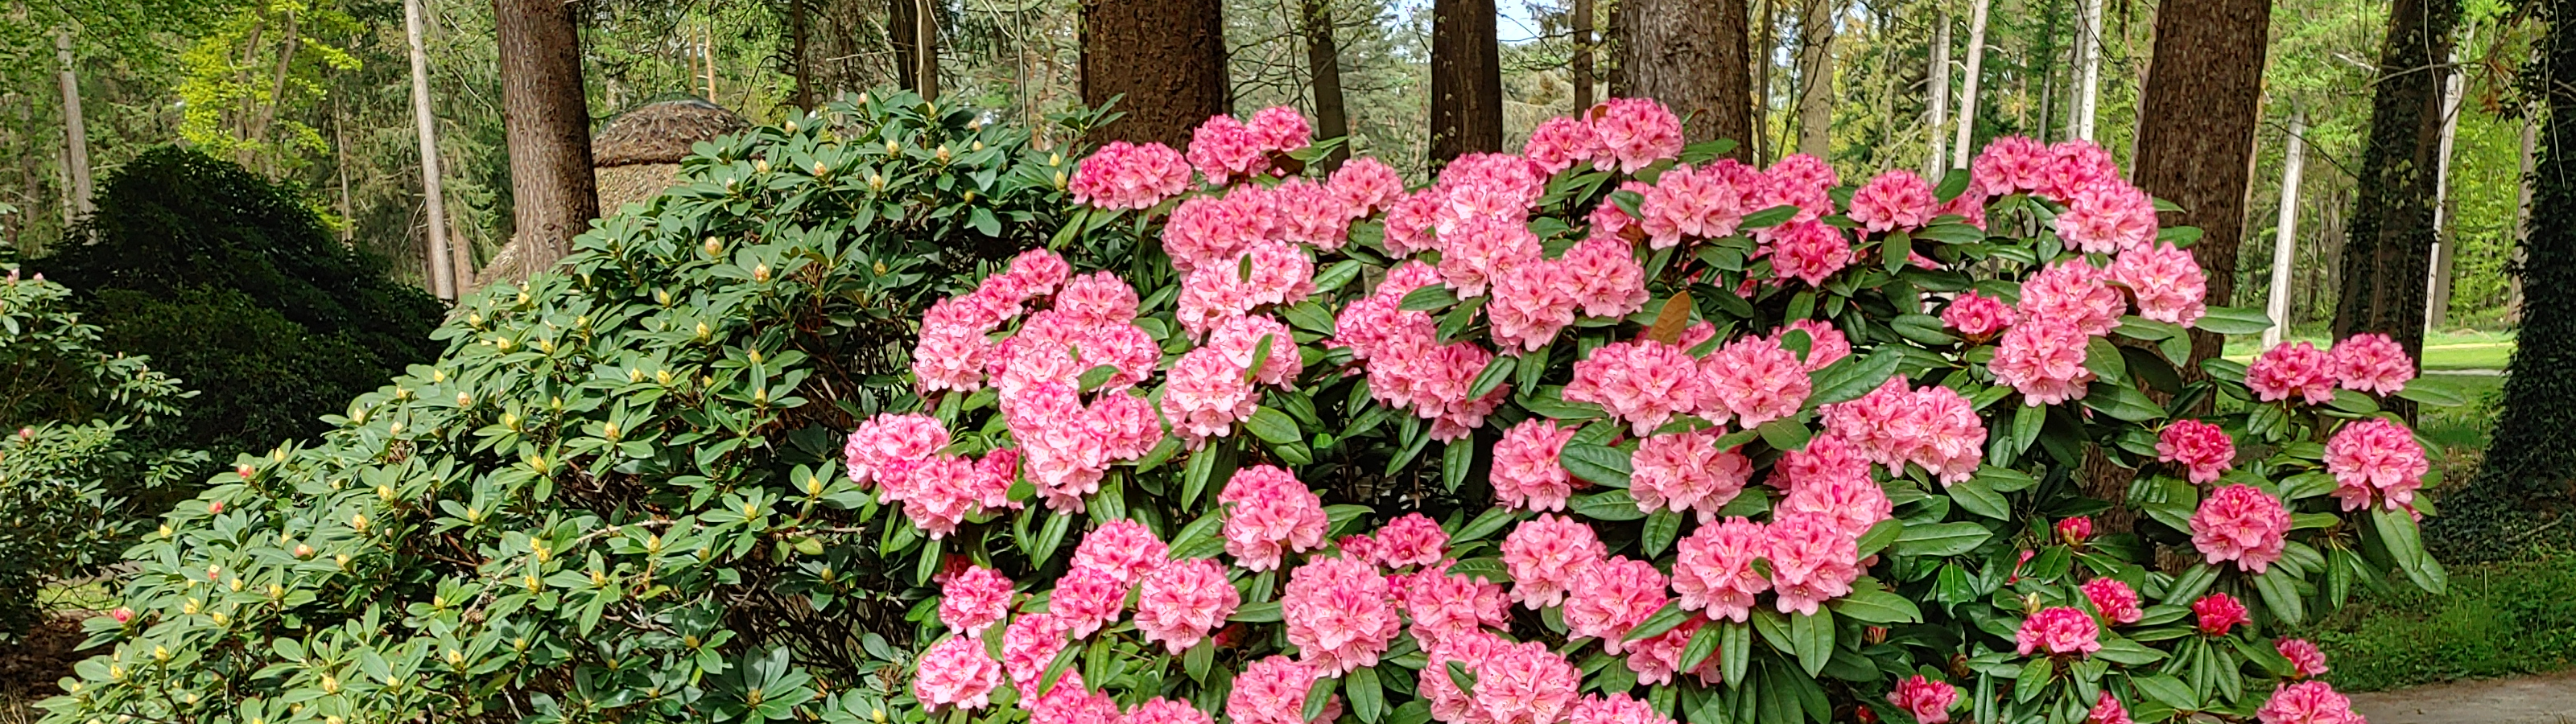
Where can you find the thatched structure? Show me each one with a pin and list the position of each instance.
(634, 156)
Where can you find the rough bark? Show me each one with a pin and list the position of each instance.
(842, 62)
(1164, 62)
(1816, 78)
(1968, 93)
(1939, 92)
(799, 47)
(1690, 54)
(912, 28)
(2522, 212)
(75, 126)
(547, 122)
(2285, 237)
(1466, 80)
(2196, 136)
(1324, 65)
(1582, 21)
(442, 267)
(2386, 256)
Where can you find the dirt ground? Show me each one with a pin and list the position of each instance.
(2546, 699)
(31, 673)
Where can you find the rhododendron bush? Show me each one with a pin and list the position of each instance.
(1616, 431)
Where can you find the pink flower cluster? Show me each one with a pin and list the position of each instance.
(1124, 175)
(2376, 459)
(1273, 691)
(1632, 133)
(901, 454)
(2167, 283)
(1895, 200)
(1339, 613)
(2217, 613)
(2241, 523)
(1181, 601)
(1976, 316)
(1928, 701)
(1225, 150)
(1644, 382)
(2058, 631)
(1707, 202)
(2307, 702)
(2370, 363)
(1446, 607)
(1270, 513)
(2306, 661)
(1754, 380)
(2116, 601)
(2201, 448)
(1544, 555)
(955, 672)
(1713, 569)
(1526, 473)
(1812, 561)
(1611, 597)
(1685, 471)
(1407, 365)
(1932, 427)
(972, 601)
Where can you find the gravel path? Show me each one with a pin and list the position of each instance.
(2546, 699)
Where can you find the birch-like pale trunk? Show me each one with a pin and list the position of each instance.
(2285, 239)
(1816, 77)
(1968, 94)
(442, 266)
(2088, 92)
(75, 126)
(2437, 288)
(1939, 92)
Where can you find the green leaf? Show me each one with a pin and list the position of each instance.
(1703, 644)
(1428, 298)
(1318, 696)
(1602, 465)
(1952, 184)
(1611, 505)
(2234, 320)
(1093, 378)
(2405, 545)
(2281, 594)
(1735, 651)
(1309, 316)
(1455, 462)
(1333, 277)
(1879, 536)
(1460, 677)
(1263, 612)
(1662, 526)
(2123, 402)
(2435, 392)
(1852, 376)
(1941, 539)
(1496, 372)
(2103, 358)
(1485, 524)
(1952, 233)
(1785, 434)
(1368, 699)
(1769, 217)
(2034, 678)
(1879, 607)
(1272, 426)
(1812, 635)
(1975, 497)
(1923, 329)
(2126, 652)
(2166, 690)
(1195, 663)
(2027, 422)
(2191, 583)
(1665, 619)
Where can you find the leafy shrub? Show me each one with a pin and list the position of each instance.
(220, 275)
(70, 466)
(700, 354)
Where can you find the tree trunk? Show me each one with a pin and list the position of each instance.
(75, 127)
(799, 49)
(442, 269)
(2088, 52)
(1689, 54)
(2521, 215)
(2530, 466)
(1162, 60)
(1816, 78)
(553, 193)
(2437, 290)
(2390, 246)
(1758, 59)
(839, 55)
(260, 131)
(1324, 64)
(1582, 21)
(1467, 81)
(1939, 92)
(2285, 238)
(2195, 144)
(1968, 94)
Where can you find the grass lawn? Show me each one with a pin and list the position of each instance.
(2498, 619)
(2456, 350)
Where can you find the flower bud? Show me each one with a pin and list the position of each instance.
(2075, 530)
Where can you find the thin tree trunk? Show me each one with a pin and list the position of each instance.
(1685, 53)
(2521, 215)
(442, 268)
(925, 43)
(1884, 108)
(1324, 64)
(2195, 143)
(553, 193)
(260, 132)
(75, 127)
(1758, 61)
(1582, 21)
(1939, 91)
(2088, 51)
(2437, 290)
(2390, 246)
(1162, 60)
(1816, 78)
(2285, 239)
(842, 45)
(799, 47)
(340, 168)
(1467, 81)
(1968, 94)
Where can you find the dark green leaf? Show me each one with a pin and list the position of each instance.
(1941, 539)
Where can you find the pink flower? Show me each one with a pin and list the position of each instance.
(1445, 606)
(2375, 456)
(2292, 369)
(1811, 562)
(2058, 631)
(1685, 471)
(1281, 128)
(2108, 216)
(1224, 149)
(1339, 613)
(1610, 597)
(2243, 524)
(1828, 458)
(1525, 683)
(2077, 292)
(1097, 299)
(1977, 317)
(891, 439)
(1123, 175)
(1071, 703)
(1713, 569)
(1409, 219)
(1608, 221)
(950, 358)
(1411, 540)
(1182, 601)
(2044, 360)
(1366, 186)
(2167, 282)
(1929, 701)
(1532, 301)
(1799, 180)
(2307, 702)
(1897, 199)
(1089, 598)
(1615, 709)
(1159, 710)
(1206, 229)
(1240, 339)
(955, 672)
(1544, 555)
(1610, 281)
(1656, 658)
(1124, 548)
(1808, 251)
(1271, 691)
(2371, 363)
(1825, 344)
(1932, 427)
(1634, 132)
(1205, 394)
(1525, 473)
(1845, 504)
(2116, 601)
(1647, 382)
(2075, 530)
(1271, 512)
(1029, 644)
(1970, 207)
(1705, 203)
(1311, 214)
(975, 600)
(2011, 164)
(1470, 650)
(2306, 661)
(1752, 379)
(2201, 447)
(1557, 143)
(2074, 166)
(2107, 710)
(1482, 247)
(1037, 272)
(2218, 612)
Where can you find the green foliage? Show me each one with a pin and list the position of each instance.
(230, 282)
(616, 491)
(69, 465)
(2504, 618)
